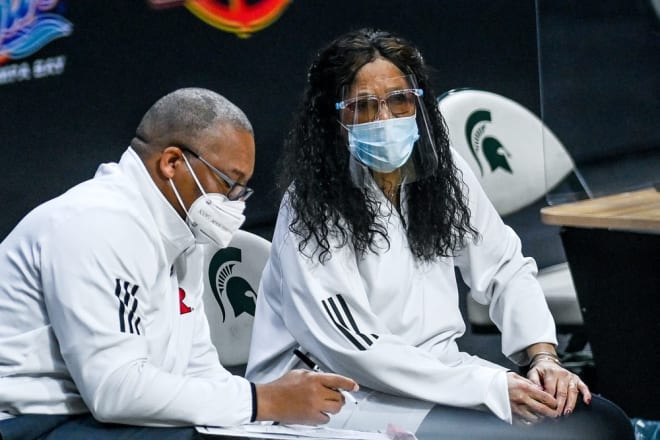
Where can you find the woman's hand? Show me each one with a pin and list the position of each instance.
(563, 385)
(528, 400)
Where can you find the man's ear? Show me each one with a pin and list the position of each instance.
(170, 159)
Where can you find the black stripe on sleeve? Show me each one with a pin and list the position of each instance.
(122, 327)
(340, 326)
(349, 316)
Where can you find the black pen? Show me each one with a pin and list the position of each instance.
(312, 365)
(306, 360)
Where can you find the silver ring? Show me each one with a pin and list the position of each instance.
(572, 384)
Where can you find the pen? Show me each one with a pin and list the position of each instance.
(312, 365)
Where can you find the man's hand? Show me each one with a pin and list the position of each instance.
(528, 400)
(302, 396)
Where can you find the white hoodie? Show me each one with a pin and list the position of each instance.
(390, 322)
(91, 315)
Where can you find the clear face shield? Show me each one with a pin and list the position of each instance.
(387, 130)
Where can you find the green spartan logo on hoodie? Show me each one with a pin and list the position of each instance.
(492, 150)
(241, 295)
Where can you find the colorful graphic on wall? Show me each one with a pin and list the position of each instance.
(28, 25)
(240, 17)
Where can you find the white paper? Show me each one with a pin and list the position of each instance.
(366, 420)
(291, 432)
(376, 410)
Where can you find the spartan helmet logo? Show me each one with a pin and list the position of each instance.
(224, 284)
(478, 140)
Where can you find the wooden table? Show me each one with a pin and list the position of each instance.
(637, 210)
(612, 246)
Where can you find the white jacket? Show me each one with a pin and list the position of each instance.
(391, 322)
(91, 316)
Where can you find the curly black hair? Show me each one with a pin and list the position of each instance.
(325, 203)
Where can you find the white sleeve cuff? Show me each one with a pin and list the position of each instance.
(497, 397)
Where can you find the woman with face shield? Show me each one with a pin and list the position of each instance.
(378, 210)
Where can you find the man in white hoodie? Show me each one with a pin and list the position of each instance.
(101, 316)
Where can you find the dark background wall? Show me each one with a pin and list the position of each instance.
(123, 55)
(600, 85)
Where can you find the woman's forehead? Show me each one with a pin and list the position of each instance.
(379, 85)
(378, 76)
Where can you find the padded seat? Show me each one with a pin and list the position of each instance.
(231, 280)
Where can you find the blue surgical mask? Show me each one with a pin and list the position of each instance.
(384, 145)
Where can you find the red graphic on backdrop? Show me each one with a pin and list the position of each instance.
(240, 17)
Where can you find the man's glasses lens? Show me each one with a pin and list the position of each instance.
(237, 191)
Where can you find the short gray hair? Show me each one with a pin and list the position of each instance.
(182, 115)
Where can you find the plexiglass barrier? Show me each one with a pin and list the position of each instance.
(599, 75)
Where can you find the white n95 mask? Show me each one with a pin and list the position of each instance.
(212, 217)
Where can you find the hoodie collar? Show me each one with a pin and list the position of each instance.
(175, 233)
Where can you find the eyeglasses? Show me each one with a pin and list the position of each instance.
(366, 108)
(237, 191)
